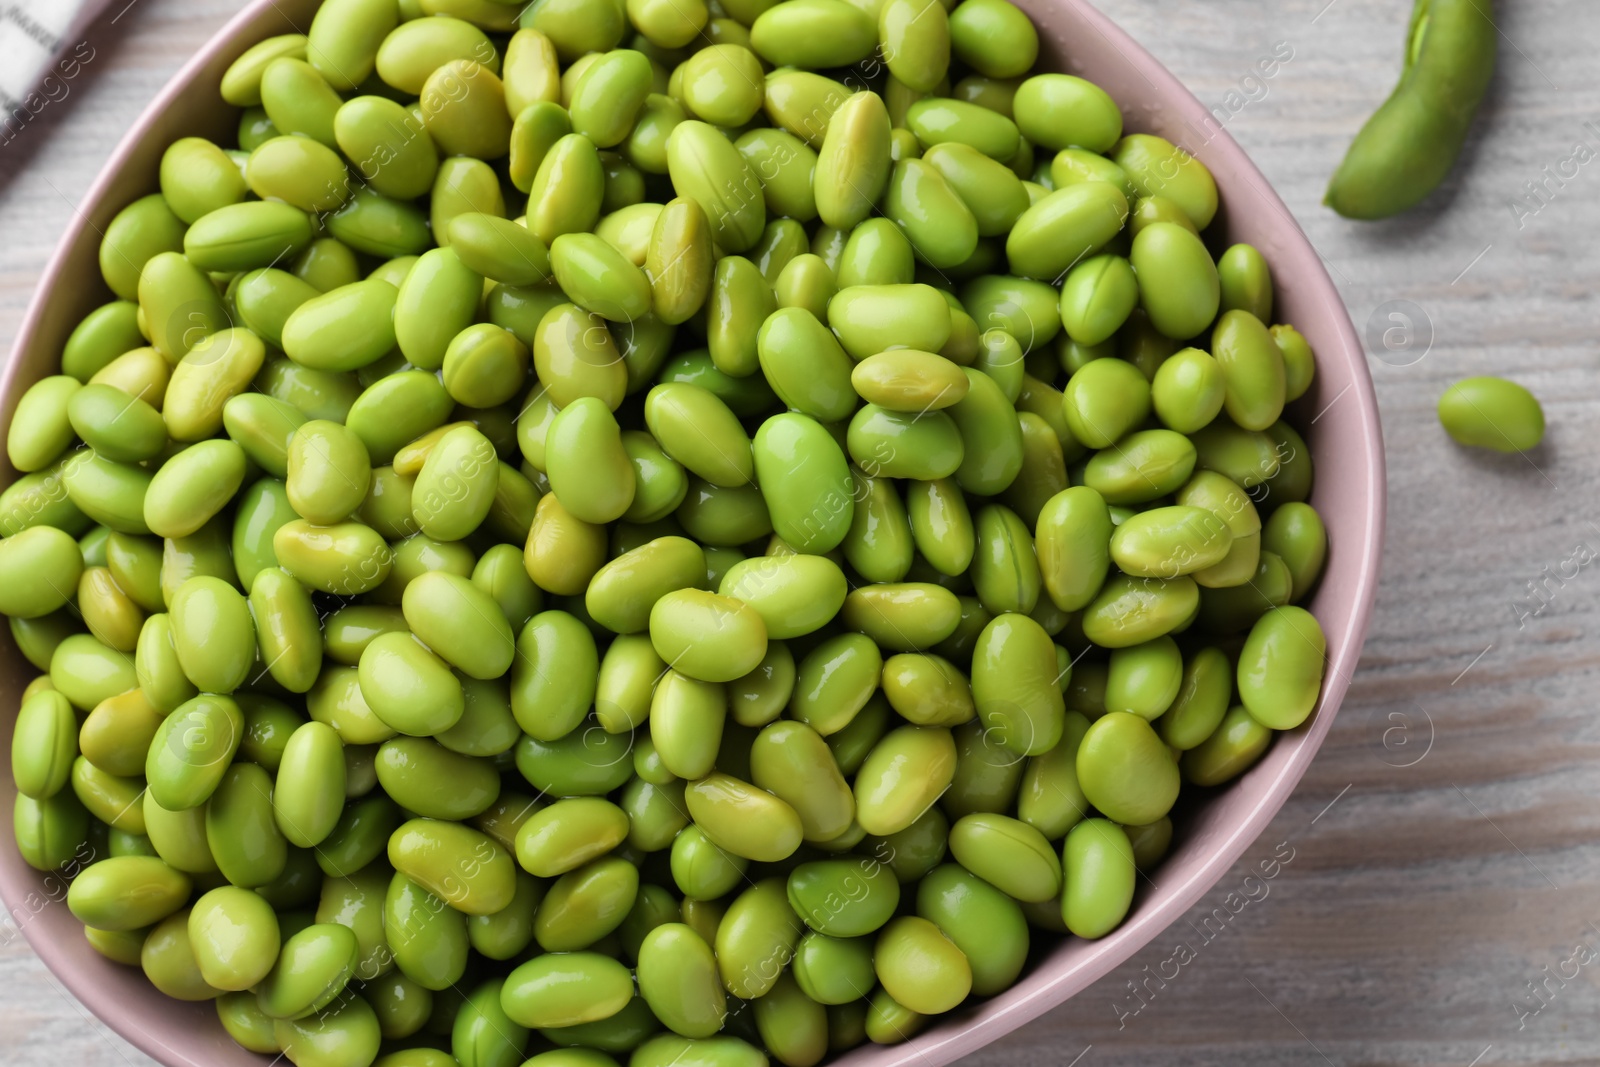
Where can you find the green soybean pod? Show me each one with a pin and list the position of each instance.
(43, 745)
(931, 214)
(234, 934)
(1409, 144)
(1098, 861)
(1492, 413)
(1281, 666)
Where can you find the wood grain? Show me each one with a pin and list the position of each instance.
(1443, 842)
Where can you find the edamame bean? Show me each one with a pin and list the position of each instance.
(1492, 413)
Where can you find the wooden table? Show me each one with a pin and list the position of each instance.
(1443, 859)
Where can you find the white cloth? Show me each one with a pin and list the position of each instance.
(42, 51)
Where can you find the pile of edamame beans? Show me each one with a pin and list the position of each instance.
(666, 534)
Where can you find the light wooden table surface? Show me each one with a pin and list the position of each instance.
(1444, 856)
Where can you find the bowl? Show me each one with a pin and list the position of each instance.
(1339, 417)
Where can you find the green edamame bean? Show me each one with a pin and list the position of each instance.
(1203, 696)
(136, 234)
(1129, 611)
(1299, 363)
(1246, 281)
(1492, 413)
(815, 35)
(1098, 861)
(1097, 298)
(1144, 679)
(852, 168)
(586, 904)
(1178, 283)
(844, 897)
(1064, 227)
(929, 211)
(1058, 111)
(43, 745)
(744, 820)
(1296, 535)
(1125, 770)
(126, 893)
(310, 973)
(234, 933)
(1007, 853)
(678, 979)
(1014, 684)
(986, 925)
(1252, 370)
(1005, 571)
(1157, 167)
(888, 801)
(686, 723)
(1409, 144)
(412, 769)
(1280, 668)
(1233, 748)
(920, 967)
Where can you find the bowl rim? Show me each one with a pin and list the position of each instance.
(968, 1029)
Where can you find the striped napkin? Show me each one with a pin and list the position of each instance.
(42, 51)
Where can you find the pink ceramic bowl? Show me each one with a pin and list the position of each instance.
(1344, 438)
